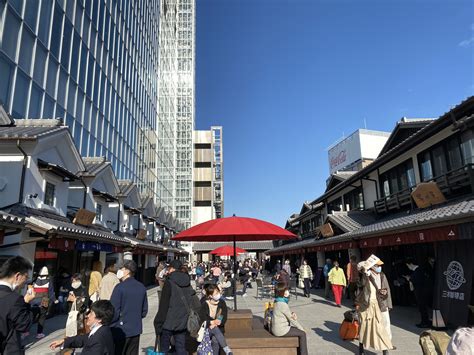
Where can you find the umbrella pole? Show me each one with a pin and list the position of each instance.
(235, 277)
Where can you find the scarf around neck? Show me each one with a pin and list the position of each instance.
(281, 299)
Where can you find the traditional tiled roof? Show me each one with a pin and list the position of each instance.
(446, 213)
(31, 129)
(125, 186)
(95, 164)
(46, 222)
(291, 246)
(249, 246)
(350, 221)
(6, 218)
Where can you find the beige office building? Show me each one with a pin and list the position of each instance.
(208, 174)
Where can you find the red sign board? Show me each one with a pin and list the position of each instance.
(62, 244)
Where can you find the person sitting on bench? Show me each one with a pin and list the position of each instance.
(284, 322)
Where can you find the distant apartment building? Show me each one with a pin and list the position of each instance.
(208, 175)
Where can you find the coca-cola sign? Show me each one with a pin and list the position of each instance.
(338, 159)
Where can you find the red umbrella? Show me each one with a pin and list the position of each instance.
(234, 229)
(227, 250)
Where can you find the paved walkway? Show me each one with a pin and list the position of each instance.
(319, 317)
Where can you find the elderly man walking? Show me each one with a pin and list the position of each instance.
(130, 302)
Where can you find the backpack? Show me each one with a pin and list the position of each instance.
(193, 323)
(268, 315)
(205, 347)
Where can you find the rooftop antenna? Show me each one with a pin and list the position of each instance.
(365, 123)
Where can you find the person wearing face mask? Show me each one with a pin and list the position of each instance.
(214, 312)
(373, 303)
(16, 316)
(99, 340)
(172, 316)
(79, 296)
(284, 322)
(306, 274)
(130, 301)
(44, 289)
(337, 279)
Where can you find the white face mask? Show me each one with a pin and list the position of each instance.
(287, 294)
(76, 284)
(120, 274)
(216, 297)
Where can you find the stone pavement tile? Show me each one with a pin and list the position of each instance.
(318, 316)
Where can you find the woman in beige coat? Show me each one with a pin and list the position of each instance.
(373, 303)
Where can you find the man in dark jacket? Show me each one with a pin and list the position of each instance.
(99, 340)
(171, 320)
(423, 283)
(130, 301)
(16, 316)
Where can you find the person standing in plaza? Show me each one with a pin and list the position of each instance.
(284, 322)
(287, 267)
(352, 277)
(373, 303)
(108, 283)
(172, 316)
(306, 274)
(16, 316)
(44, 290)
(277, 267)
(94, 281)
(337, 279)
(422, 280)
(216, 272)
(130, 302)
(327, 285)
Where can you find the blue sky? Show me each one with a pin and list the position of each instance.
(288, 78)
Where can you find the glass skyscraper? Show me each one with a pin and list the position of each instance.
(176, 106)
(94, 64)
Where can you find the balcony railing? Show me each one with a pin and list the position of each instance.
(454, 183)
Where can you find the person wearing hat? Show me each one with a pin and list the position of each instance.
(43, 287)
(373, 303)
(130, 302)
(172, 316)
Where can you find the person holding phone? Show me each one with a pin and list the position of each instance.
(214, 312)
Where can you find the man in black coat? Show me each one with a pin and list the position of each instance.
(423, 282)
(16, 316)
(171, 319)
(99, 340)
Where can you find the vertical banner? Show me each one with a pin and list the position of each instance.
(454, 280)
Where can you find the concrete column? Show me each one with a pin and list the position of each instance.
(321, 258)
(355, 252)
(103, 259)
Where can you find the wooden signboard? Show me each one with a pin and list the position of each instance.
(141, 234)
(427, 194)
(84, 217)
(326, 230)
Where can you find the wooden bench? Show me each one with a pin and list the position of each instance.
(239, 320)
(258, 341)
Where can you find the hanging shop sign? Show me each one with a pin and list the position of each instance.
(45, 255)
(427, 194)
(141, 234)
(93, 246)
(454, 274)
(326, 230)
(84, 217)
(62, 244)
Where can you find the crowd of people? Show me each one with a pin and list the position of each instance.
(106, 316)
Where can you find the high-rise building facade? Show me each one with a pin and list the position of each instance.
(93, 64)
(176, 106)
(208, 175)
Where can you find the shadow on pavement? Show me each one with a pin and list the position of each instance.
(51, 325)
(332, 336)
